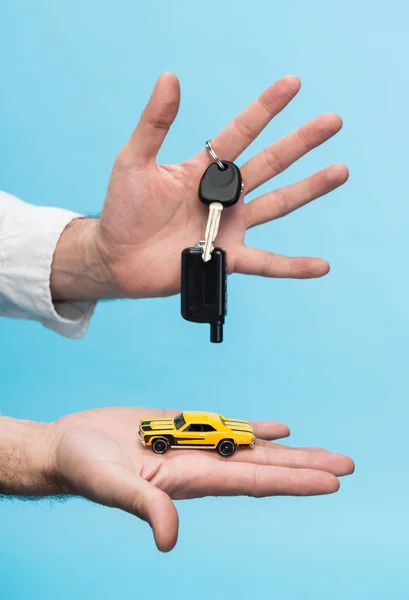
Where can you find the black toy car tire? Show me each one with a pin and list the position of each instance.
(160, 445)
(226, 447)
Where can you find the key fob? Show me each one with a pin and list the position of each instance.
(204, 289)
(221, 185)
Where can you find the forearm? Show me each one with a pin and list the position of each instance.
(25, 459)
(29, 236)
(78, 270)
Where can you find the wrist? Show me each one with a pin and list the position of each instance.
(80, 269)
(26, 458)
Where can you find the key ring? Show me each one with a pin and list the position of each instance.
(214, 155)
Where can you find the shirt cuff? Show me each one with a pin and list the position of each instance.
(26, 254)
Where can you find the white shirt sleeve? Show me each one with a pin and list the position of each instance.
(28, 238)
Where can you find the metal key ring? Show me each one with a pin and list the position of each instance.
(214, 155)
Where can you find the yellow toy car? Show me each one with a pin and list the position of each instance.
(196, 430)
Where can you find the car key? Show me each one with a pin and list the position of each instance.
(218, 189)
(204, 289)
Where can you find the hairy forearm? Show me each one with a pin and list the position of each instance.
(24, 459)
(78, 270)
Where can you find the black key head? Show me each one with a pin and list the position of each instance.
(221, 185)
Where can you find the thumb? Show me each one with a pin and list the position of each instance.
(126, 490)
(156, 119)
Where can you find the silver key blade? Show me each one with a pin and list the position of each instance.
(212, 227)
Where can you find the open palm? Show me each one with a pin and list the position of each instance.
(152, 212)
(97, 454)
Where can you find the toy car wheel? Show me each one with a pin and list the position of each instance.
(226, 447)
(160, 446)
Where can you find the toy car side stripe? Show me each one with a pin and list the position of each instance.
(170, 438)
(197, 447)
(241, 430)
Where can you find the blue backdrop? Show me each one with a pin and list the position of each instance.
(329, 357)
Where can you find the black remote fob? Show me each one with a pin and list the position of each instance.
(204, 289)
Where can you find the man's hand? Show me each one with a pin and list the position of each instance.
(152, 212)
(97, 455)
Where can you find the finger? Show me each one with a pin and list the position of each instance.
(244, 128)
(252, 261)
(169, 413)
(279, 156)
(155, 121)
(270, 430)
(337, 464)
(267, 444)
(120, 487)
(229, 478)
(279, 203)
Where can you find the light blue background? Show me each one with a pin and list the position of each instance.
(329, 357)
